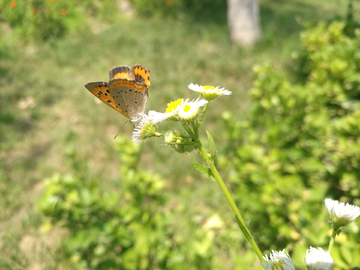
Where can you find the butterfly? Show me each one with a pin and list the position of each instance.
(126, 91)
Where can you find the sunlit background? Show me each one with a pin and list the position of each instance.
(73, 197)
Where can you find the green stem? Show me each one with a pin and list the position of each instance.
(332, 239)
(230, 200)
(188, 130)
(202, 115)
(195, 126)
(187, 143)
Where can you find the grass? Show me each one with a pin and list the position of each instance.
(45, 111)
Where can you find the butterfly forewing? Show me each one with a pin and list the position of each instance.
(101, 91)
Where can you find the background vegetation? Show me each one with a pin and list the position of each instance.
(71, 197)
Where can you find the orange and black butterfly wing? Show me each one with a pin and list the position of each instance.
(129, 96)
(102, 92)
(131, 85)
(137, 74)
(141, 75)
(121, 72)
(126, 92)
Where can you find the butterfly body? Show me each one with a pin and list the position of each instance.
(126, 91)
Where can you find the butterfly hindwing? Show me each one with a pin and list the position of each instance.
(130, 96)
(122, 72)
(141, 75)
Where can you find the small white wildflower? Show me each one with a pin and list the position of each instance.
(341, 214)
(143, 130)
(157, 117)
(189, 110)
(279, 260)
(318, 259)
(209, 92)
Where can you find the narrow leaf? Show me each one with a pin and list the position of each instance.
(212, 146)
(203, 169)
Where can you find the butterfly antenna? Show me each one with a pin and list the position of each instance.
(121, 128)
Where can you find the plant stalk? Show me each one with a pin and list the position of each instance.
(230, 200)
(332, 239)
(202, 115)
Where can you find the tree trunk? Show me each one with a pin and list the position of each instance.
(244, 21)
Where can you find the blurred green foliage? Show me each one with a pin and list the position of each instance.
(38, 20)
(284, 169)
(301, 144)
(199, 10)
(128, 228)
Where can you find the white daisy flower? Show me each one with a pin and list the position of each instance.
(157, 117)
(279, 260)
(341, 214)
(209, 92)
(143, 130)
(318, 259)
(189, 110)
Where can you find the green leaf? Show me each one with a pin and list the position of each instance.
(335, 254)
(346, 254)
(203, 169)
(212, 146)
(356, 257)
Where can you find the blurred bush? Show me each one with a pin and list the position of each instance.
(300, 144)
(128, 228)
(214, 10)
(41, 20)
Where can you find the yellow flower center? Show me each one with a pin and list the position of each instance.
(173, 105)
(207, 87)
(277, 266)
(188, 112)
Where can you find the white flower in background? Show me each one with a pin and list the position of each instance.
(189, 110)
(143, 130)
(341, 214)
(279, 260)
(318, 259)
(209, 92)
